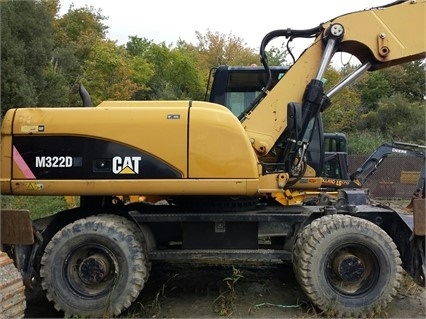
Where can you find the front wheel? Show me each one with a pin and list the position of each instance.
(95, 267)
(347, 266)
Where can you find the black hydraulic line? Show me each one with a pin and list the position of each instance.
(287, 33)
(392, 4)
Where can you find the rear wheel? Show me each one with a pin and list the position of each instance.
(95, 267)
(347, 266)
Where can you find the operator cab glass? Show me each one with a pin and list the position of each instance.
(236, 87)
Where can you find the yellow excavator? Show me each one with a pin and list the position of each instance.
(216, 174)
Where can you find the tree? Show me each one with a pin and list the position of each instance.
(55, 90)
(343, 114)
(392, 102)
(408, 79)
(138, 46)
(372, 87)
(182, 73)
(277, 56)
(214, 48)
(111, 74)
(52, 7)
(175, 74)
(76, 33)
(80, 28)
(398, 118)
(26, 44)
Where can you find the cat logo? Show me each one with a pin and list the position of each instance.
(126, 165)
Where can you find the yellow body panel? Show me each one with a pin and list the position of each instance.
(392, 35)
(146, 127)
(6, 164)
(205, 142)
(218, 145)
(6, 152)
(131, 187)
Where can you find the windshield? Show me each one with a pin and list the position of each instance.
(237, 87)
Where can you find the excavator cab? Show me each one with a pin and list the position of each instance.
(239, 88)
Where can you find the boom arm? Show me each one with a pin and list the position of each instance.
(378, 37)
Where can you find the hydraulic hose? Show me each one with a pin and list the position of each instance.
(287, 33)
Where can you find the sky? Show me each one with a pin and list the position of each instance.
(170, 20)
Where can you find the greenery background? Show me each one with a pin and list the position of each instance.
(45, 56)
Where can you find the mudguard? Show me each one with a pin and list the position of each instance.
(410, 245)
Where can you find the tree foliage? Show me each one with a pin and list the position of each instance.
(108, 72)
(77, 34)
(408, 79)
(373, 87)
(393, 102)
(396, 117)
(343, 114)
(174, 72)
(277, 56)
(214, 48)
(26, 45)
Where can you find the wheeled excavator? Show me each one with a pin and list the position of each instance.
(215, 174)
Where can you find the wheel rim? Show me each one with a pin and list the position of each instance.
(352, 270)
(91, 270)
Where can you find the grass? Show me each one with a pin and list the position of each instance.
(39, 206)
(224, 304)
(151, 308)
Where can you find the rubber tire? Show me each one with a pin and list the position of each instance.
(12, 289)
(319, 244)
(113, 237)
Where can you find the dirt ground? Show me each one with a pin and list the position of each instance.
(178, 291)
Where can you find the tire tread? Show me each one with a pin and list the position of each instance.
(119, 228)
(303, 253)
